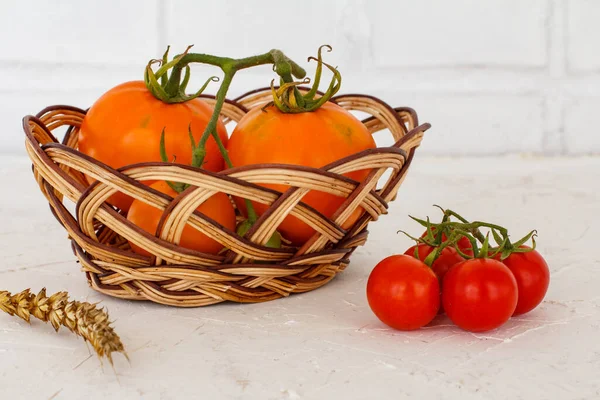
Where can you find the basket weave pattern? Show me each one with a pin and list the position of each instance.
(247, 271)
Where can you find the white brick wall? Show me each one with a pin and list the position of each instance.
(493, 77)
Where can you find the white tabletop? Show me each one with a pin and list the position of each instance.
(327, 344)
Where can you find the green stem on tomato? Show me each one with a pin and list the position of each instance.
(200, 150)
(472, 227)
(437, 251)
(288, 99)
(476, 232)
(471, 230)
(211, 128)
(172, 90)
(282, 65)
(451, 242)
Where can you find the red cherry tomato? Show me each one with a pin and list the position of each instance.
(533, 277)
(403, 292)
(312, 139)
(479, 294)
(217, 207)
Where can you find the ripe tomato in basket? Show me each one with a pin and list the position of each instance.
(312, 139)
(124, 126)
(218, 207)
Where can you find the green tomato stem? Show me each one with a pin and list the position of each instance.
(471, 230)
(172, 90)
(288, 99)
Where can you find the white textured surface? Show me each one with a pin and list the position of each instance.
(493, 77)
(327, 344)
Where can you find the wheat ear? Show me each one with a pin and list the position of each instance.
(81, 318)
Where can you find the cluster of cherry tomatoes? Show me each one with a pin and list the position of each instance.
(454, 269)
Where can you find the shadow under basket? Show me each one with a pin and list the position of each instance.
(247, 271)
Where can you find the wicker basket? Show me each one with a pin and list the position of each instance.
(247, 271)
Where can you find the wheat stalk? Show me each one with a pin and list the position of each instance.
(81, 318)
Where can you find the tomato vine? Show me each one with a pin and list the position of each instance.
(449, 232)
(169, 82)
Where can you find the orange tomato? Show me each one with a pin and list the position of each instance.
(217, 207)
(124, 125)
(312, 139)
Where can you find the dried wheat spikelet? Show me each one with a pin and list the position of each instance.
(81, 318)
